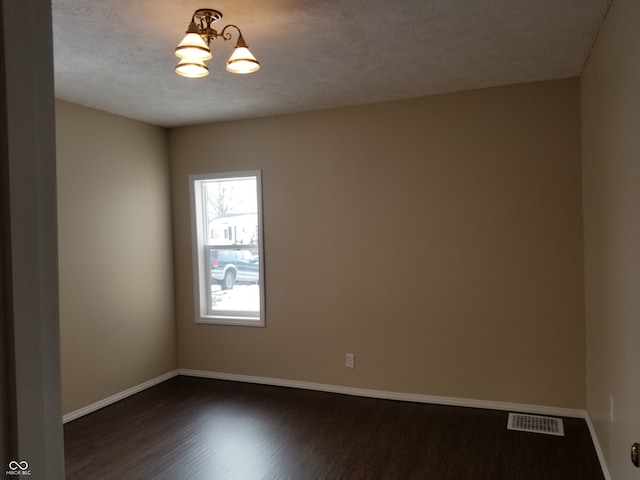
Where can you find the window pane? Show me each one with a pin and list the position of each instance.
(234, 276)
(232, 211)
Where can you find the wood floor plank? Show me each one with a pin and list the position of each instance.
(191, 428)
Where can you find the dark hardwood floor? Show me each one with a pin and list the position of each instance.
(192, 428)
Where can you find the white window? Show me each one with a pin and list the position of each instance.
(228, 261)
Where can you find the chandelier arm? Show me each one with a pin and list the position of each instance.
(227, 35)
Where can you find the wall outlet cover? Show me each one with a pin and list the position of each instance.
(350, 360)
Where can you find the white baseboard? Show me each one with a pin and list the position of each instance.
(117, 397)
(472, 403)
(278, 382)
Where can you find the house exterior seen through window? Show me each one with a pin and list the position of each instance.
(226, 218)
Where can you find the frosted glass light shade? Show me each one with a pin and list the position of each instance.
(192, 68)
(242, 61)
(193, 46)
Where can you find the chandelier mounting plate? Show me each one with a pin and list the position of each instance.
(208, 14)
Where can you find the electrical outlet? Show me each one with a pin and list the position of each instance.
(612, 410)
(351, 360)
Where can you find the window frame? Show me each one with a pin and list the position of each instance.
(200, 249)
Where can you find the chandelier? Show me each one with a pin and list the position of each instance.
(194, 49)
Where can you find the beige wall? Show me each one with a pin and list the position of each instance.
(439, 239)
(611, 151)
(116, 278)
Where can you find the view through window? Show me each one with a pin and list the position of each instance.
(227, 229)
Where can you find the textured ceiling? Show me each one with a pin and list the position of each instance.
(117, 55)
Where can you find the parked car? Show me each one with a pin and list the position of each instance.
(229, 267)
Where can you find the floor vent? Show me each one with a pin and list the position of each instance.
(536, 424)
